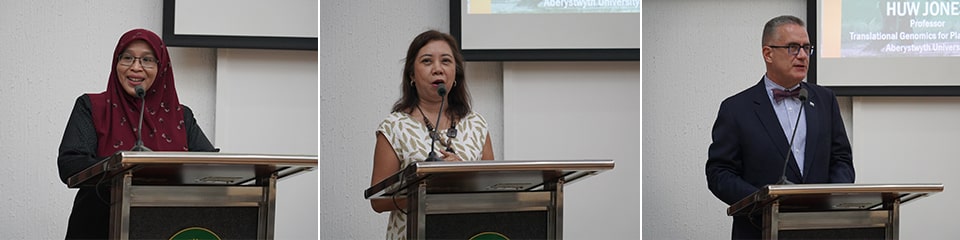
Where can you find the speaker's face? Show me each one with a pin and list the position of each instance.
(435, 64)
(137, 65)
(787, 66)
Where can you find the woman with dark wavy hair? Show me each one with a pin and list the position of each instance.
(433, 61)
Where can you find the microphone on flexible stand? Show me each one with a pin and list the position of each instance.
(783, 176)
(139, 147)
(442, 90)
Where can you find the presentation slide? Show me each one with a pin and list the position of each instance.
(897, 29)
(553, 6)
(888, 43)
(549, 24)
(247, 18)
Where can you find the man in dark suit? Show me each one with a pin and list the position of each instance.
(751, 135)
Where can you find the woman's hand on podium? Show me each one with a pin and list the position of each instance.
(450, 157)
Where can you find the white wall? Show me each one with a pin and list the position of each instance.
(50, 53)
(266, 104)
(697, 53)
(362, 46)
(577, 111)
(912, 140)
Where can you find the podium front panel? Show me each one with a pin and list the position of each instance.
(505, 181)
(831, 211)
(199, 174)
(165, 222)
(459, 200)
(838, 234)
(512, 225)
(156, 195)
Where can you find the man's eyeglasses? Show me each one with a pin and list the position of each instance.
(146, 62)
(794, 49)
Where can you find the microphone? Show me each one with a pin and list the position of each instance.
(138, 147)
(783, 176)
(442, 90)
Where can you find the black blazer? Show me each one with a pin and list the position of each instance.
(749, 148)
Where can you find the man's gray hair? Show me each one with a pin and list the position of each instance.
(770, 29)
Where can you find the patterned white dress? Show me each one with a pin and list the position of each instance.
(410, 140)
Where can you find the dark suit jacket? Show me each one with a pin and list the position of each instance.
(749, 148)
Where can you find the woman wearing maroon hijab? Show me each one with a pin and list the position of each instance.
(102, 124)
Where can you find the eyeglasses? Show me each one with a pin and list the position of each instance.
(145, 62)
(794, 49)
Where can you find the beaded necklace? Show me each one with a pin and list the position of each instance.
(451, 132)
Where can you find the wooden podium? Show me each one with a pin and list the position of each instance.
(155, 195)
(826, 211)
(512, 199)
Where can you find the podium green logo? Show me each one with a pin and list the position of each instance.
(489, 236)
(195, 233)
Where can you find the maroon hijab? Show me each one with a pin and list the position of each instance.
(116, 113)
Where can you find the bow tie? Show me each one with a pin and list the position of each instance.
(779, 95)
